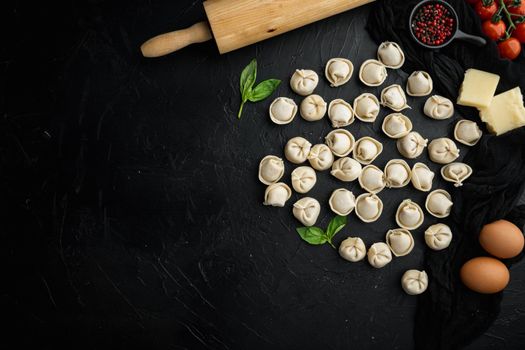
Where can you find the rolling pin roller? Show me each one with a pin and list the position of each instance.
(238, 23)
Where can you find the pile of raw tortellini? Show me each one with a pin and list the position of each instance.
(349, 159)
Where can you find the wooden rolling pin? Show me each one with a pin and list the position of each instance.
(238, 23)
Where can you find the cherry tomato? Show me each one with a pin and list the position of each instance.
(509, 48)
(519, 32)
(486, 12)
(517, 10)
(494, 30)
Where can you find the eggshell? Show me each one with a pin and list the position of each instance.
(485, 275)
(502, 239)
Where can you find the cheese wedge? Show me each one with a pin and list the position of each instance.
(505, 113)
(478, 88)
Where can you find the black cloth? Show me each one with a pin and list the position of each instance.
(449, 315)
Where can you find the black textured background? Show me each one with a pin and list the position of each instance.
(134, 215)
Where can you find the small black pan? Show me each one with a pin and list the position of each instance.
(457, 33)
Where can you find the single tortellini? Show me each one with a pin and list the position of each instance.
(419, 83)
(456, 173)
(352, 249)
(313, 108)
(439, 203)
(342, 201)
(346, 169)
(277, 194)
(340, 141)
(340, 113)
(271, 169)
(366, 107)
(306, 210)
(396, 125)
(304, 81)
(467, 132)
(397, 173)
(409, 215)
(422, 177)
(438, 236)
(304, 179)
(372, 73)
(411, 145)
(366, 149)
(321, 157)
(414, 282)
(297, 150)
(443, 150)
(391, 55)
(338, 71)
(368, 207)
(394, 98)
(438, 107)
(372, 179)
(283, 110)
(379, 255)
(400, 241)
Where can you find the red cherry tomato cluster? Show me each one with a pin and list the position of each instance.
(504, 22)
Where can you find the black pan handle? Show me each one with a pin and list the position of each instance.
(472, 39)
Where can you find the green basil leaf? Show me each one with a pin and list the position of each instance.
(248, 76)
(263, 90)
(312, 235)
(335, 225)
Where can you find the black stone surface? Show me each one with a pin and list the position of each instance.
(134, 216)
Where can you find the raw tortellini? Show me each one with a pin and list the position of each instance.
(368, 207)
(366, 107)
(390, 54)
(438, 107)
(394, 98)
(338, 71)
(352, 249)
(313, 108)
(306, 210)
(400, 241)
(439, 203)
(422, 177)
(372, 179)
(271, 169)
(340, 141)
(379, 255)
(342, 201)
(340, 113)
(304, 81)
(367, 149)
(409, 215)
(414, 282)
(297, 150)
(277, 194)
(419, 83)
(346, 169)
(467, 132)
(303, 179)
(282, 110)
(438, 236)
(397, 173)
(372, 73)
(396, 125)
(321, 157)
(411, 145)
(456, 173)
(443, 150)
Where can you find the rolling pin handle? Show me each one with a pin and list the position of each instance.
(166, 43)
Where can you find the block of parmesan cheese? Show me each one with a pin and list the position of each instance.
(478, 88)
(505, 113)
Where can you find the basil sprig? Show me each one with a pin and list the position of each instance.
(257, 93)
(316, 236)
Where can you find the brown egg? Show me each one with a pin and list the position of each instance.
(502, 239)
(485, 275)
